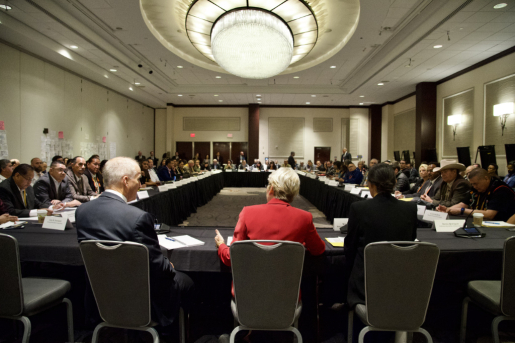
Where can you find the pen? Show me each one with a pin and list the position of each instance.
(492, 223)
(170, 239)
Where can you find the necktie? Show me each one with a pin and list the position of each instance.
(25, 198)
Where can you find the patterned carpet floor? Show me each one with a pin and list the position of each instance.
(225, 207)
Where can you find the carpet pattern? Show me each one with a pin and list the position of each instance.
(226, 206)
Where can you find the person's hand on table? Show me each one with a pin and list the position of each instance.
(49, 212)
(58, 206)
(55, 202)
(219, 240)
(454, 211)
(426, 198)
(4, 218)
(398, 195)
(442, 208)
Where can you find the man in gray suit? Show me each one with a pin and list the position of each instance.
(78, 182)
(346, 155)
(53, 187)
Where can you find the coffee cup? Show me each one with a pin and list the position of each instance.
(477, 219)
(41, 216)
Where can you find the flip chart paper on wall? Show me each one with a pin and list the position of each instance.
(61, 134)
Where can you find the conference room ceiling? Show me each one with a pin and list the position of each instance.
(394, 42)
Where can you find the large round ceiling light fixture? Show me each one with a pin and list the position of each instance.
(252, 43)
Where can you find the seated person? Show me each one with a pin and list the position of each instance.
(372, 163)
(383, 218)
(15, 163)
(353, 176)
(96, 182)
(243, 166)
(454, 188)
(420, 187)
(188, 169)
(179, 169)
(229, 165)
(286, 164)
(414, 175)
(509, 179)
(18, 196)
(272, 166)
(206, 167)
(302, 166)
(216, 165)
(310, 167)
(145, 179)
(152, 171)
(111, 218)
(492, 169)
(286, 222)
(340, 171)
(196, 167)
(402, 180)
(320, 167)
(490, 196)
(258, 166)
(329, 169)
(78, 182)
(53, 187)
(6, 169)
(167, 173)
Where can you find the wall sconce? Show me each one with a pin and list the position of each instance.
(454, 121)
(503, 111)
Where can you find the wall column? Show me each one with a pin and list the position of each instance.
(425, 127)
(253, 147)
(374, 132)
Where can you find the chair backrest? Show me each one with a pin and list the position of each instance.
(267, 277)
(398, 282)
(119, 276)
(508, 278)
(11, 290)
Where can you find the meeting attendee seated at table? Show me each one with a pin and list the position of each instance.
(272, 166)
(53, 187)
(229, 165)
(111, 218)
(35, 163)
(320, 167)
(197, 168)
(179, 168)
(490, 196)
(243, 166)
(6, 169)
(419, 187)
(302, 166)
(14, 163)
(153, 158)
(167, 173)
(353, 176)
(383, 218)
(255, 163)
(402, 180)
(162, 165)
(258, 166)
(509, 179)
(18, 196)
(310, 167)
(492, 169)
(454, 188)
(329, 169)
(340, 170)
(285, 164)
(216, 165)
(219, 158)
(372, 163)
(207, 159)
(206, 167)
(189, 169)
(78, 182)
(414, 175)
(152, 171)
(139, 157)
(145, 179)
(468, 170)
(284, 222)
(95, 180)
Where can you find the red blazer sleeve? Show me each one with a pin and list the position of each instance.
(313, 243)
(240, 234)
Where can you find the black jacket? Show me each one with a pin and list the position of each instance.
(110, 218)
(291, 162)
(383, 218)
(402, 182)
(13, 202)
(92, 184)
(44, 189)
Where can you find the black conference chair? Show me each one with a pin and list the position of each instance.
(119, 276)
(495, 297)
(266, 285)
(20, 297)
(398, 282)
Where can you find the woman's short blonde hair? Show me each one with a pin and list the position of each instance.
(285, 183)
(425, 166)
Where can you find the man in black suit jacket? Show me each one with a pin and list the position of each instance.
(383, 218)
(346, 155)
(53, 187)
(110, 218)
(18, 195)
(291, 160)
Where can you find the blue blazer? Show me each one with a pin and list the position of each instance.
(163, 174)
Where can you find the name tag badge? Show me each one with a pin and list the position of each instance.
(57, 223)
(142, 195)
(431, 216)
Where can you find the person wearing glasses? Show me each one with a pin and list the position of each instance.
(53, 187)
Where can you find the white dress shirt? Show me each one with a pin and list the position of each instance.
(36, 177)
(153, 175)
(118, 194)
(2, 178)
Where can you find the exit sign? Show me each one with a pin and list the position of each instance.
(192, 135)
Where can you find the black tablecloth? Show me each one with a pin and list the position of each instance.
(247, 179)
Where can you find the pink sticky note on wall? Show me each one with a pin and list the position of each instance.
(61, 134)
(104, 139)
(2, 125)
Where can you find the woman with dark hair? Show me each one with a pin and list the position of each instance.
(102, 164)
(259, 166)
(492, 169)
(509, 179)
(206, 159)
(179, 171)
(206, 166)
(197, 156)
(162, 165)
(383, 218)
(340, 171)
(272, 166)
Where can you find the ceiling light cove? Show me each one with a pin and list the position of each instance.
(253, 39)
(501, 5)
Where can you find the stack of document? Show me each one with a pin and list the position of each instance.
(177, 242)
(498, 224)
(336, 242)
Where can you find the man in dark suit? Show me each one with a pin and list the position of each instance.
(153, 157)
(95, 179)
(346, 155)
(53, 187)
(402, 179)
(110, 218)
(216, 165)
(167, 172)
(139, 157)
(291, 160)
(18, 195)
(383, 218)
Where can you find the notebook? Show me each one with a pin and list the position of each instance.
(177, 242)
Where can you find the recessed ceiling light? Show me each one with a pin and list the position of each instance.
(74, 46)
(218, 77)
(137, 83)
(216, 95)
(259, 98)
(180, 67)
(501, 5)
(361, 96)
(113, 70)
(258, 94)
(220, 100)
(5, 7)
(313, 96)
(130, 88)
(307, 103)
(333, 67)
(380, 84)
(179, 94)
(296, 77)
(361, 103)
(106, 76)
(437, 46)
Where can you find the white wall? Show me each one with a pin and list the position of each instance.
(35, 95)
(387, 127)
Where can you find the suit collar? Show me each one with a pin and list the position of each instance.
(16, 191)
(275, 201)
(115, 196)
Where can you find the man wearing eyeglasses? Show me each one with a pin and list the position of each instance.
(53, 187)
(18, 195)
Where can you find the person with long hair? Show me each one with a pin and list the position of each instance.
(492, 169)
(272, 166)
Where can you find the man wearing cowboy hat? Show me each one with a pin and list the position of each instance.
(454, 189)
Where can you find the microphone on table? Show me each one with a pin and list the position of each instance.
(465, 224)
(366, 196)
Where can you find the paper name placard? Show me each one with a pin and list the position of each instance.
(339, 222)
(228, 170)
(431, 216)
(421, 210)
(241, 170)
(142, 195)
(349, 187)
(69, 215)
(365, 193)
(162, 188)
(448, 225)
(333, 183)
(355, 190)
(57, 223)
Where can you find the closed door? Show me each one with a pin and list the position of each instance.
(185, 150)
(237, 147)
(322, 154)
(224, 149)
(203, 149)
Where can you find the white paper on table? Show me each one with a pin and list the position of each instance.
(28, 218)
(229, 240)
(142, 195)
(365, 193)
(421, 209)
(448, 225)
(355, 190)
(349, 186)
(339, 222)
(431, 216)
